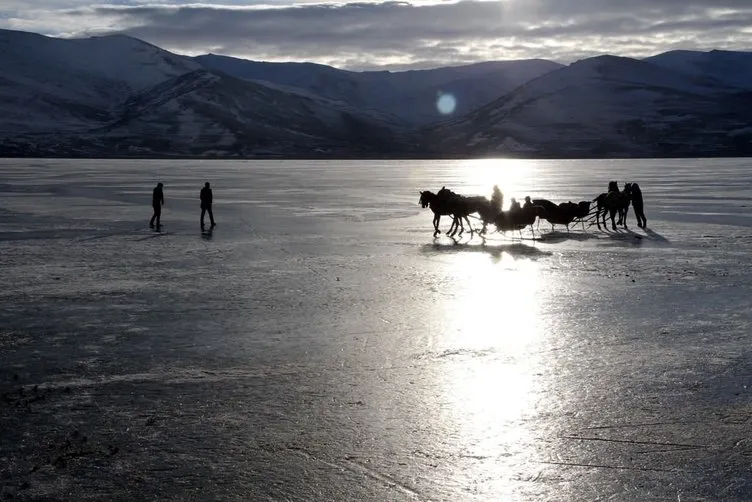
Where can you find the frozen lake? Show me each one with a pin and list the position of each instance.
(321, 345)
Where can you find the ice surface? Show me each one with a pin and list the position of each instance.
(321, 345)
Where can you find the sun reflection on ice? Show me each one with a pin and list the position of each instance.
(493, 332)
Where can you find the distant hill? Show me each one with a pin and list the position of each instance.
(60, 84)
(606, 106)
(410, 95)
(723, 67)
(116, 95)
(119, 96)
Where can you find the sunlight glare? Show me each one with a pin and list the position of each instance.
(493, 327)
(514, 177)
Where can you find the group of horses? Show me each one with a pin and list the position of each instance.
(460, 207)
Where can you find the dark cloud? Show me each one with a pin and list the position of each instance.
(401, 34)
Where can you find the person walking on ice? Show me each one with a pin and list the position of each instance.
(157, 201)
(206, 204)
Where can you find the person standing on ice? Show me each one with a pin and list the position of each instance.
(206, 204)
(157, 201)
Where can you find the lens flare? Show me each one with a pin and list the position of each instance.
(446, 103)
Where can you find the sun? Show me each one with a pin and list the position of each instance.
(514, 177)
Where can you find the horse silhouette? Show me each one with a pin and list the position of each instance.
(612, 202)
(449, 203)
(440, 207)
(465, 205)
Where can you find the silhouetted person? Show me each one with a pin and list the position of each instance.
(514, 206)
(497, 199)
(528, 203)
(157, 201)
(206, 204)
(638, 205)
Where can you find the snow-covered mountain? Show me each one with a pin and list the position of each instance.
(118, 95)
(115, 95)
(203, 112)
(723, 67)
(70, 83)
(605, 106)
(410, 95)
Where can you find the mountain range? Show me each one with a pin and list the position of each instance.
(119, 96)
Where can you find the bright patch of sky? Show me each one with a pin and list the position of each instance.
(400, 34)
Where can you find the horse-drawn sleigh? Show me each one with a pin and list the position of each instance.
(460, 208)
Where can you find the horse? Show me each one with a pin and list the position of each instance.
(440, 206)
(612, 202)
(464, 206)
(635, 194)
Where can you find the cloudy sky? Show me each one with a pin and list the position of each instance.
(399, 34)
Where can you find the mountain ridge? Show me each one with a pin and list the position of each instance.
(116, 95)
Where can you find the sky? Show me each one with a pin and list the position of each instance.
(398, 35)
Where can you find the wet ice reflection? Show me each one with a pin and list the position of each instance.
(493, 333)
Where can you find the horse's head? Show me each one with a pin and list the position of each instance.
(425, 198)
(613, 186)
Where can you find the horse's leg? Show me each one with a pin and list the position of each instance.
(456, 222)
(472, 230)
(613, 217)
(436, 218)
(460, 226)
